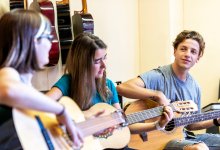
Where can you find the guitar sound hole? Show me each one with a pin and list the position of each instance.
(170, 126)
(105, 133)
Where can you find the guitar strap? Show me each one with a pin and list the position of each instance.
(189, 134)
(143, 136)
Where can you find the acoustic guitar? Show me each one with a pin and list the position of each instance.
(30, 131)
(47, 9)
(82, 20)
(113, 122)
(22, 4)
(64, 27)
(170, 133)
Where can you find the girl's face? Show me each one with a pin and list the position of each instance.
(99, 63)
(43, 46)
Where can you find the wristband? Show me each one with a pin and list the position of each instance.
(215, 122)
(158, 127)
(62, 111)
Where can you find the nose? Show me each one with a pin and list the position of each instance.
(187, 52)
(103, 65)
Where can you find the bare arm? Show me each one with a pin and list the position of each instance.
(135, 89)
(201, 125)
(54, 93)
(14, 93)
(117, 106)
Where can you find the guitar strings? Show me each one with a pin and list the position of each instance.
(189, 118)
(91, 128)
(100, 120)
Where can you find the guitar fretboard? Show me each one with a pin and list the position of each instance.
(196, 118)
(144, 115)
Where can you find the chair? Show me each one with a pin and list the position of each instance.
(119, 96)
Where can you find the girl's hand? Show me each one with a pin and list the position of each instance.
(74, 132)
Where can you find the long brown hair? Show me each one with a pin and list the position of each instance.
(79, 66)
(18, 29)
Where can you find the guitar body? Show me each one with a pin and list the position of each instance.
(31, 137)
(17, 4)
(64, 28)
(156, 140)
(82, 21)
(112, 139)
(152, 142)
(47, 9)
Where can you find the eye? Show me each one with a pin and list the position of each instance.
(183, 48)
(97, 61)
(48, 36)
(105, 57)
(195, 52)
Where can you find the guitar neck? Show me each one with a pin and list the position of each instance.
(144, 115)
(181, 121)
(92, 126)
(63, 2)
(84, 7)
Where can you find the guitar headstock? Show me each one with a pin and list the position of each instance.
(184, 106)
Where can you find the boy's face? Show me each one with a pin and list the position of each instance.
(187, 54)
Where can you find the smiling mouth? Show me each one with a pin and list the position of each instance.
(185, 60)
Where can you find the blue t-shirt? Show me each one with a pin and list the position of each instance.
(163, 79)
(64, 85)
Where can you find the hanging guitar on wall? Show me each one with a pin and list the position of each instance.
(82, 20)
(17, 4)
(47, 9)
(64, 27)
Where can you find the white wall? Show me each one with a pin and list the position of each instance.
(162, 20)
(154, 34)
(204, 16)
(116, 22)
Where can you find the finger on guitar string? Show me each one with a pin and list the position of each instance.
(166, 117)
